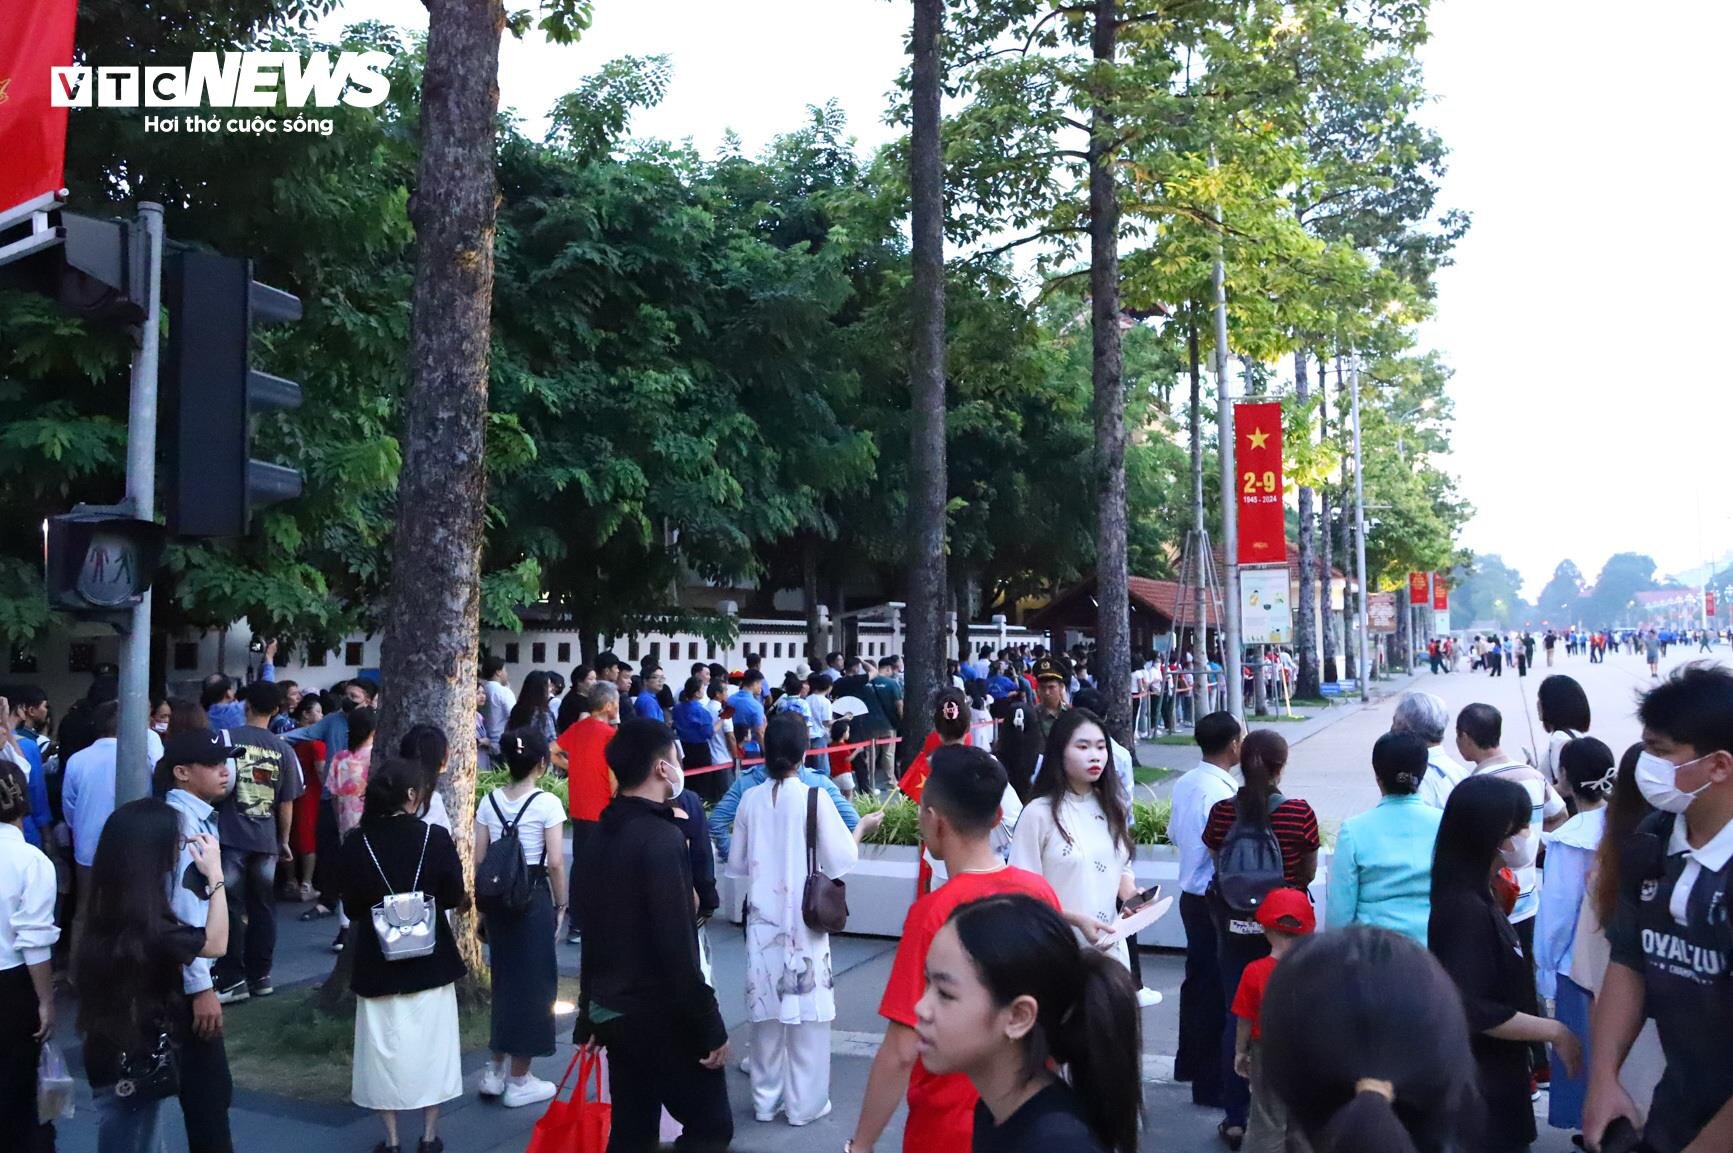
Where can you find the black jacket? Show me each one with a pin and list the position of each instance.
(397, 841)
(696, 829)
(640, 950)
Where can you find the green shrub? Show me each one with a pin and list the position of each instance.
(1148, 821)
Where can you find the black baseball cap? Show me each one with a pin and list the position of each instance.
(199, 747)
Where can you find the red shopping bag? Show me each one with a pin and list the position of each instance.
(581, 1123)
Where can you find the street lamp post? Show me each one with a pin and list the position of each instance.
(1359, 524)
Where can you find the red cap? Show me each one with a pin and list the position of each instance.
(1287, 911)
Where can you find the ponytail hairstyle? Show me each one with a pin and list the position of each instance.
(1589, 767)
(1017, 743)
(951, 718)
(362, 722)
(525, 751)
(1388, 1068)
(1263, 756)
(692, 690)
(388, 788)
(785, 744)
(1052, 786)
(1086, 1016)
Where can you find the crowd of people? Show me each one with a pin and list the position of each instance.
(1492, 653)
(1490, 927)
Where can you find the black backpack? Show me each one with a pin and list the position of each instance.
(502, 880)
(1249, 864)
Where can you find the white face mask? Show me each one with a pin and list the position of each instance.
(1513, 852)
(159, 726)
(1657, 780)
(679, 781)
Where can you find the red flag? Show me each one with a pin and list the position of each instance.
(1440, 595)
(1258, 465)
(1416, 588)
(36, 35)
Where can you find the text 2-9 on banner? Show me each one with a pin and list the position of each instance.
(1258, 469)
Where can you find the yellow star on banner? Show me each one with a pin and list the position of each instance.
(4, 81)
(1258, 437)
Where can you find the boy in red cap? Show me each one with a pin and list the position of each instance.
(1286, 916)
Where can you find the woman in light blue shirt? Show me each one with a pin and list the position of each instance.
(1381, 868)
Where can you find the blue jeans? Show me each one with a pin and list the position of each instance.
(127, 1126)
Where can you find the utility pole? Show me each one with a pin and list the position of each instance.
(1200, 537)
(1233, 656)
(132, 766)
(1359, 525)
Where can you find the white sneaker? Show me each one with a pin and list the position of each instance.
(529, 1091)
(1148, 998)
(822, 1113)
(492, 1081)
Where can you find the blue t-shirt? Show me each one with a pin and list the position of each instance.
(748, 719)
(1000, 687)
(648, 706)
(692, 722)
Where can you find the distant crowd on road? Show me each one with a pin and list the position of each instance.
(1494, 652)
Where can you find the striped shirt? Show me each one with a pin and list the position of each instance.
(1293, 821)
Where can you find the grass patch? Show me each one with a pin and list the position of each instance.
(1174, 739)
(286, 1045)
(1279, 719)
(1311, 702)
(1152, 775)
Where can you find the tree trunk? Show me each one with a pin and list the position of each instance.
(432, 622)
(1350, 598)
(1326, 563)
(1306, 616)
(1112, 573)
(965, 600)
(927, 585)
(809, 594)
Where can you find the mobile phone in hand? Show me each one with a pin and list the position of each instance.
(1621, 1137)
(1139, 900)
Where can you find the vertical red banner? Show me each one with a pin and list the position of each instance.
(35, 35)
(1709, 602)
(1258, 469)
(1417, 591)
(1440, 595)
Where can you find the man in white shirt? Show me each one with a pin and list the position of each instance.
(1202, 1004)
(497, 701)
(1425, 715)
(1479, 728)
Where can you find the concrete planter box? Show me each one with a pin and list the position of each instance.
(882, 887)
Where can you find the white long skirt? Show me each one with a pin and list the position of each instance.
(406, 1050)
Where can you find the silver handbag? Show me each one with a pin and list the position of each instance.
(405, 923)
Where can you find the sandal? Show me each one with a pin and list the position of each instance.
(318, 912)
(1232, 1135)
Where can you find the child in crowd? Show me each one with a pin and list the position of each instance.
(1286, 916)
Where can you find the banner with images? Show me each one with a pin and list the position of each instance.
(1266, 618)
(1381, 612)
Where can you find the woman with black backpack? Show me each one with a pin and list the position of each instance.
(520, 889)
(1260, 840)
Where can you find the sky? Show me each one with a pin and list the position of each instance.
(1587, 148)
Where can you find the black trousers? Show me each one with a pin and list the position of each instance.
(650, 1065)
(329, 843)
(1202, 1009)
(1537, 1057)
(206, 1090)
(581, 833)
(19, 1054)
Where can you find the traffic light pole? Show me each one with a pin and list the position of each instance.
(132, 766)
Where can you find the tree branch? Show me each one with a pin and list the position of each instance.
(1055, 282)
(1042, 234)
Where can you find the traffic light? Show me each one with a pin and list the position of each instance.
(99, 560)
(211, 391)
(94, 269)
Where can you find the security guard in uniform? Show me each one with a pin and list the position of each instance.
(1671, 940)
(1052, 676)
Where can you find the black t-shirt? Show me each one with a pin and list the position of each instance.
(172, 949)
(1049, 1122)
(1474, 941)
(1686, 985)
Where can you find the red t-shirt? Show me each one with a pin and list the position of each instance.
(1293, 822)
(1249, 1000)
(589, 784)
(942, 1108)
